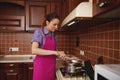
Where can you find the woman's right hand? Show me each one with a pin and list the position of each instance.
(61, 54)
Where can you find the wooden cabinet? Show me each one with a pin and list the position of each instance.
(36, 10)
(11, 23)
(18, 2)
(56, 6)
(12, 71)
(40, 0)
(74, 3)
(12, 15)
(69, 5)
(35, 13)
(102, 6)
(65, 8)
(16, 71)
(30, 71)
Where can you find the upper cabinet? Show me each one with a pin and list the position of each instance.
(12, 15)
(36, 10)
(56, 6)
(73, 3)
(69, 5)
(28, 15)
(103, 6)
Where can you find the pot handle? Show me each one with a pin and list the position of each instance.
(78, 67)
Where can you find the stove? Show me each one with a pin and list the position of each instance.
(62, 75)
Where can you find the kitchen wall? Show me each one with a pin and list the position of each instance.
(22, 40)
(101, 40)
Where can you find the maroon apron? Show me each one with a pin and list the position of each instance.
(44, 66)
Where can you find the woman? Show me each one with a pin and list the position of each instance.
(44, 46)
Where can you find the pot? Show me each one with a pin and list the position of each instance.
(72, 66)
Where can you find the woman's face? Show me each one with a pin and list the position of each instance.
(52, 25)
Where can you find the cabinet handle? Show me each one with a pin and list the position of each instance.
(11, 65)
(11, 74)
(103, 4)
(11, 70)
(30, 67)
(3, 28)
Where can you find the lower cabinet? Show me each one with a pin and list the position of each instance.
(16, 71)
(30, 71)
(13, 74)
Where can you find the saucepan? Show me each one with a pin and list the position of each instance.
(72, 66)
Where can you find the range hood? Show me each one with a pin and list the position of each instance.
(83, 10)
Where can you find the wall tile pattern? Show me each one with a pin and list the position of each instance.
(20, 40)
(101, 40)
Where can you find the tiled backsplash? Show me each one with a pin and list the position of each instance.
(23, 42)
(102, 40)
(20, 40)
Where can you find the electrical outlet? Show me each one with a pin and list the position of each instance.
(13, 49)
(81, 52)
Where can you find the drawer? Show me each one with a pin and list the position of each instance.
(10, 65)
(13, 70)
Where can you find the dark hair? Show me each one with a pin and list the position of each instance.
(52, 16)
(49, 17)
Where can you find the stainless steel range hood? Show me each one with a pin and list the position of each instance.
(83, 10)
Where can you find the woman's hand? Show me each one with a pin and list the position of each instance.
(61, 54)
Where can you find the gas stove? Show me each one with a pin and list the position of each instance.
(62, 75)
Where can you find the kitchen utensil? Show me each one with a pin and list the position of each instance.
(72, 66)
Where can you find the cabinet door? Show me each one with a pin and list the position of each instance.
(74, 3)
(13, 74)
(101, 6)
(11, 16)
(35, 14)
(11, 23)
(118, 1)
(69, 5)
(1, 74)
(30, 71)
(40, 0)
(65, 8)
(19, 2)
(56, 7)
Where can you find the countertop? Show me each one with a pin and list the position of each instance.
(22, 58)
(16, 58)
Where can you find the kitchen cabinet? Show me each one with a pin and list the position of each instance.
(12, 15)
(56, 6)
(36, 10)
(40, 0)
(65, 8)
(30, 71)
(102, 6)
(16, 71)
(69, 5)
(19, 2)
(74, 3)
(8, 22)
(12, 71)
(35, 13)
